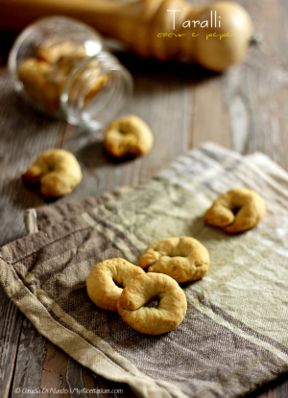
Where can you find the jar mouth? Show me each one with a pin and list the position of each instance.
(34, 44)
(60, 67)
(95, 90)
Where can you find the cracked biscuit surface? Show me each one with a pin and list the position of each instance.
(106, 280)
(183, 258)
(169, 313)
(236, 211)
(57, 171)
(128, 136)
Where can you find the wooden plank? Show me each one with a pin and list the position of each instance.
(74, 378)
(10, 327)
(210, 116)
(28, 362)
(53, 378)
(32, 133)
(256, 91)
(256, 96)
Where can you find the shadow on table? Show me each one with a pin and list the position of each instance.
(14, 199)
(164, 71)
(19, 194)
(94, 155)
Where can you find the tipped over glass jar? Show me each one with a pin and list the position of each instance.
(60, 66)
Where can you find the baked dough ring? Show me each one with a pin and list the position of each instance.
(57, 171)
(41, 83)
(128, 136)
(52, 50)
(167, 316)
(103, 280)
(183, 258)
(236, 211)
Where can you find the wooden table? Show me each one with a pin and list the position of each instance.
(246, 109)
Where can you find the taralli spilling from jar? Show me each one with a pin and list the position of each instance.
(107, 279)
(45, 75)
(183, 258)
(128, 136)
(169, 313)
(236, 211)
(57, 171)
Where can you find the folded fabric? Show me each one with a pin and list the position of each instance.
(235, 334)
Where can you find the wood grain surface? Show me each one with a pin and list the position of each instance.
(244, 109)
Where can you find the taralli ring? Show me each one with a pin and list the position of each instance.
(171, 309)
(128, 136)
(104, 281)
(52, 50)
(183, 258)
(236, 211)
(41, 83)
(57, 171)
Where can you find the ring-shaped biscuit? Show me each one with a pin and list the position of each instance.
(57, 171)
(106, 280)
(40, 83)
(236, 211)
(171, 309)
(128, 136)
(183, 258)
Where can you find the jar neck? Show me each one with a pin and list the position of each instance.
(95, 91)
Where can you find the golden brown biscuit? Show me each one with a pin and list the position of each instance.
(171, 309)
(57, 171)
(183, 258)
(236, 211)
(90, 81)
(44, 78)
(94, 88)
(128, 136)
(41, 83)
(104, 280)
(52, 50)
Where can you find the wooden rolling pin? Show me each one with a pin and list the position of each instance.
(152, 28)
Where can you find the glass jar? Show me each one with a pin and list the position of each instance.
(60, 66)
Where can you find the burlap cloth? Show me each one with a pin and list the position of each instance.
(235, 334)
